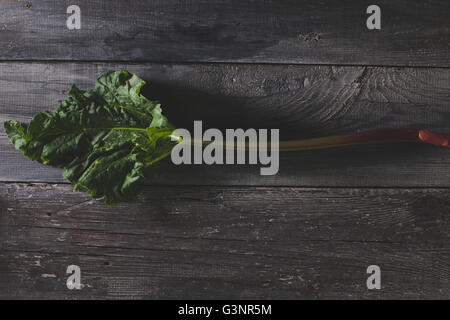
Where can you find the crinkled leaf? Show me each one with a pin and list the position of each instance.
(104, 138)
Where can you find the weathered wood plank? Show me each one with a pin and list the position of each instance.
(225, 242)
(302, 101)
(414, 33)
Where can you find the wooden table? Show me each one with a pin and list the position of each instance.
(310, 68)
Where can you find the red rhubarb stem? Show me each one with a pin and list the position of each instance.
(367, 137)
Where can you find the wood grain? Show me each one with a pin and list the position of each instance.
(414, 33)
(225, 242)
(309, 68)
(302, 101)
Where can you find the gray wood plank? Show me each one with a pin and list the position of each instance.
(303, 101)
(225, 242)
(414, 33)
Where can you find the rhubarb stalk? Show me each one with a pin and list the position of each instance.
(367, 137)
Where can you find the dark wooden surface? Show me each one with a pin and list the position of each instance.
(303, 101)
(285, 31)
(310, 68)
(226, 242)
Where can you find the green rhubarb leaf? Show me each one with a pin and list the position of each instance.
(104, 138)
